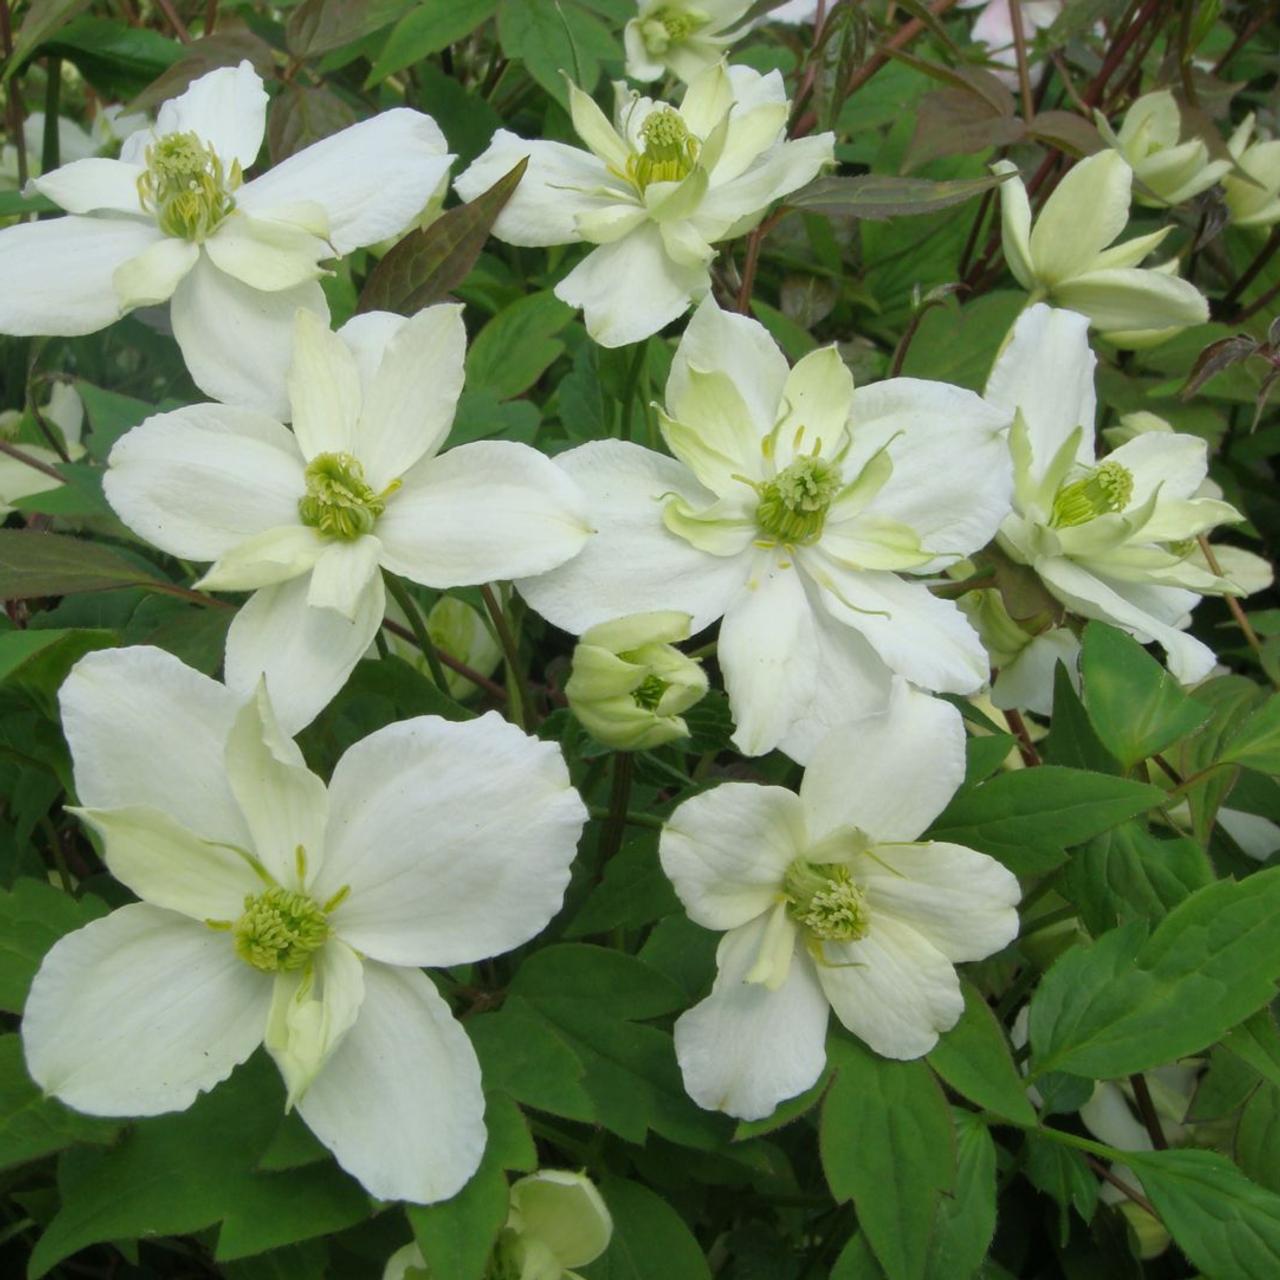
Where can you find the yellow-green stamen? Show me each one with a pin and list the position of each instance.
(186, 188)
(1106, 489)
(825, 899)
(339, 502)
(670, 150)
(793, 505)
(667, 26)
(649, 692)
(280, 930)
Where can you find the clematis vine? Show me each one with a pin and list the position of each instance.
(307, 518)
(655, 192)
(683, 37)
(793, 508)
(1112, 538)
(829, 900)
(275, 910)
(173, 218)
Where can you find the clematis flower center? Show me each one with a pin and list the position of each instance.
(1107, 488)
(669, 26)
(339, 502)
(279, 930)
(648, 693)
(186, 188)
(825, 899)
(793, 505)
(670, 150)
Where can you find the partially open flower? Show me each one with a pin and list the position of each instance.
(1253, 201)
(684, 37)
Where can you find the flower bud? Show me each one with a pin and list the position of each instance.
(457, 629)
(629, 684)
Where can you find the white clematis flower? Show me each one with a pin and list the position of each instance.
(829, 900)
(1065, 258)
(173, 218)
(307, 518)
(655, 192)
(684, 37)
(557, 1220)
(1113, 540)
(1253, 201)
(792, 508)
(275, 910)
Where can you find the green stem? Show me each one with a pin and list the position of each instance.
(59, 857)
(632, 819)
(511, 652)
(632, 383)
(619, 795)
(49, 159)
(400, 594)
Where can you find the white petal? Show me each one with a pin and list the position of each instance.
(560, 183)
(109, 1031)
(324, 388)
(727, 850)
(816, 402)
(963, 902)
(169, 866)
(483, 512)
(367, 336)
(58, 274)
(226, 108)
(1086, 212)
(781, 170)
(199, 481)
(1015, 224)
(455, 840)
(740, 347)
(892, 989)
(265, 559)
(265, 253)
(311, 1012)
(153, 275)
(344, 575)
(306, 654)
(564, 1211)
(1134, 298)
(1175, 463)
(745, 1048)
(145, 729)
(409, 404)
(399, 1103)
(627, 487)
(1026, 683)
(237, 341)
(95, 183)
(284, 804)
(1046, 373)
(890, 774)
(657, 289)
(372, 179)
(919, 636)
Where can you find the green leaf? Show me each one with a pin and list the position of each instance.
(966, 1221)
(41, 20)
(510, 1144)
(1136, 706)
(1128, 1003)
(1231, 700)
(883, 196)
(634, 891)
(888, 1144)
(317, 26)
(1072, 740)
(33, 916)
(1257, 744)
(1256, 1041)
(1027, 818)
(19, 650)
(431, 26)
(974, 1059)
(1062, 1173)
(208, 53)
(515, 348)
(117, 59)
(1258, 1137)
(457, 1235)
(430, 262)
(15, 204)
(54, 564)
(552, 37)
(1228, 1226)
(300, 116)
(32, 1125)
(650, 1239)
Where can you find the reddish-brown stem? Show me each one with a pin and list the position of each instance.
(34, 463)
(466, 672)
(1261, 258)
(172, 18)
(1237, 612)
(1147, 1110)
(1026, 748)
(13, 98)
(1115, 55)
(1130, 1193)
(1020, 51)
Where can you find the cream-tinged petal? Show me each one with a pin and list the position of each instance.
(781, 170)
(237, 341)
(564, 1211)
(108, 1031)
(410, 401)
(1172, 462)
(312, 1010)
(964, 903)
(888, 774)
(324, 389)
(658, 290)
(306, 654)
(1026, 683)
(199, 481)
(343, 576)
(1133, 298)
(597, 134)
(153, 275)
(892, 988)
(265, 559)
(285, 805)
(84, 186)
(745, 1048)
(399, 1101)
(484, 512)
(225, 108)
(146, 730)
(727, 850)
(58, 274)
(813, 414)
(714, 437)
(265, 253)
(1130, 252)
(1086, 212)
(1015, 224)
(455, 840)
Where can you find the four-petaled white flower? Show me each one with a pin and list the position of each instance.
(684, 37)
(1113, 539)
(1065, 258)
(277, 910)
(828, 899)
(307, 517)
(171, 219)
(793, 505)
(654, 194)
